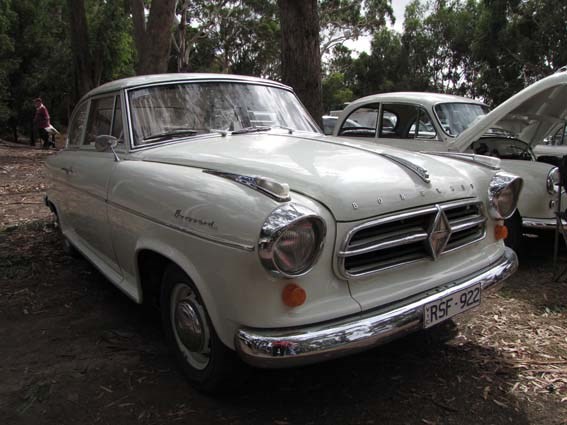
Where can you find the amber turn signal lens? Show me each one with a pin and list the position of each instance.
(293, 295)
(500, 232)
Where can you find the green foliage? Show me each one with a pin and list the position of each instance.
(236, 36)
(335, 94)
(111, 43)
(8, 61)
(342, 20)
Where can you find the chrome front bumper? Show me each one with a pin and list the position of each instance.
(541, 223)
(276, 348)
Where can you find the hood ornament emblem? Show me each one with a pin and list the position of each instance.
(421, 172)
(439, 234)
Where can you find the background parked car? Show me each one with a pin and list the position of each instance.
(273, 240)
(443, 123)
(552, 148)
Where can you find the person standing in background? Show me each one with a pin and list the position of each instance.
(42, 123)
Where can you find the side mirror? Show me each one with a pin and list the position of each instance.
(104, 143)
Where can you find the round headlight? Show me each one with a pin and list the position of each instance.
(552, 181)
(503, 193)
(291, 240)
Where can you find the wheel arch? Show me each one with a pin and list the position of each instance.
(152, 259)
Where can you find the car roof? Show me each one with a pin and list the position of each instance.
(422, 98)
(143, 80)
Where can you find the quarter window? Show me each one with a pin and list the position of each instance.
(77, 125)
(362, 122)
(117, 127)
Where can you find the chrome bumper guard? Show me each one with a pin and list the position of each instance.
(277, 348)
(541, 223)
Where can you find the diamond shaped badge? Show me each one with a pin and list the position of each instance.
(439, 234)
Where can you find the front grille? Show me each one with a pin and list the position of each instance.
(405, 237)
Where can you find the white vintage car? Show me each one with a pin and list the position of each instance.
(443, 123)
(218, 197)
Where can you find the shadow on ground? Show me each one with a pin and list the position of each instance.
(75, 350)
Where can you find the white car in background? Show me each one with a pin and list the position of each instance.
(273, 241)
(453, 125)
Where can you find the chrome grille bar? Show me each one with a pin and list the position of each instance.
(403, 238)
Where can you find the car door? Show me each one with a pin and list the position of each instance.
(63, 193)
(92, 171)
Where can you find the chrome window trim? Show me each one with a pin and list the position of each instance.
(343, 253)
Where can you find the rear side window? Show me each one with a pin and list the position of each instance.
(362, 122)
(77, 125)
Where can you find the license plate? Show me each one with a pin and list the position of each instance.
(440, 310)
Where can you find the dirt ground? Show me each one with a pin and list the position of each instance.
(74, 350)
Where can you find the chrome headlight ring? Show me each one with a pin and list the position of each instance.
(552, 181)
(503, 193)
(291, 232)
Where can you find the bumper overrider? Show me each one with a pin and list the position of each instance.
(276, 348)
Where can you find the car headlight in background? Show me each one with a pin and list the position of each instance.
(552, 181)
(503, 193)
(291, 240)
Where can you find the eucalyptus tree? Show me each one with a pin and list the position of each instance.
(238, 36)
(300, 52)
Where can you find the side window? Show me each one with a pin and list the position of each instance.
(77, 126)
(362, 122)
(406, 121)
(560, 138)
(388, 124)
(422, 128)
(100, 119)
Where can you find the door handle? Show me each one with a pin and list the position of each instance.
(67, 170)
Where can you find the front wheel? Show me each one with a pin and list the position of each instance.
(189, 332)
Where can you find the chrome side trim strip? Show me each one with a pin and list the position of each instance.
(541, 223)
(209, 238)
(277, 348)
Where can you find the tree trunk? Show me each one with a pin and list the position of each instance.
(153, 40)
(80, 46)
(301, 60)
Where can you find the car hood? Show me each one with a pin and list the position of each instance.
(532, 114)
(353, 182)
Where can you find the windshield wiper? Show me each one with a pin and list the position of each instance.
(171, 134)
(251, 129)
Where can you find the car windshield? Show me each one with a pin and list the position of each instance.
(457, 117)
(188, 109)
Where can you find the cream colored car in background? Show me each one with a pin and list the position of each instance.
(423, 122)
(218, 198)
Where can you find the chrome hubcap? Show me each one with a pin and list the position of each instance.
(188, 325)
